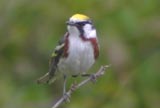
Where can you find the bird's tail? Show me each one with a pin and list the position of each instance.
(47, 78)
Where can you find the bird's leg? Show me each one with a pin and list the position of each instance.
(74, 86)
(65, 95)
(64, 84)
(93, 77)
(85, 75)
(74, 76)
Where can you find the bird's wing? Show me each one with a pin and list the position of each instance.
(54, 60)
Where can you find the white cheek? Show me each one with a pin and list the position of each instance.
(89, 31)
(87, 27)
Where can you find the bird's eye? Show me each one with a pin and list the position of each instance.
(83, 23)
(80, 23)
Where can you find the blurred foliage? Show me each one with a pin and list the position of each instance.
(129, 35)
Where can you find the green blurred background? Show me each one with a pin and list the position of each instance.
(129, 36)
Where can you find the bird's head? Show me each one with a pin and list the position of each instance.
(81, 25)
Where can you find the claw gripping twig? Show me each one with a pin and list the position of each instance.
(99, 73)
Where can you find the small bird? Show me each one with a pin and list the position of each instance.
(76, 51)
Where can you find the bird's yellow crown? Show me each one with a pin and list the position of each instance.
(80, 17)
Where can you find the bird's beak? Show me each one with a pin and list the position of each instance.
(70, 23)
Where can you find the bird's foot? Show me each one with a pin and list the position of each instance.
(93, 78)
(73, 86)
(66, 97)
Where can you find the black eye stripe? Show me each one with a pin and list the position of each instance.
(83, 23)
(80, 24)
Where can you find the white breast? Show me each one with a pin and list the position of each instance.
(80, 57)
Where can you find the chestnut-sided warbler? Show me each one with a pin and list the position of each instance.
(76, 51)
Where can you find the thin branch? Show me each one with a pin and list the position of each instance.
(92, 78)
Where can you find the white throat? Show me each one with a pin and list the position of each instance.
(73, 30)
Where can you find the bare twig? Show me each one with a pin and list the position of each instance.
(99, 73)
